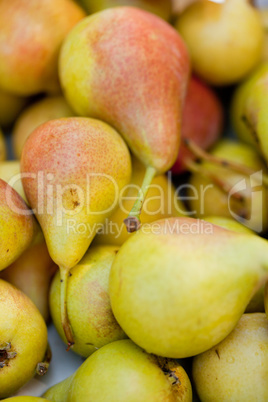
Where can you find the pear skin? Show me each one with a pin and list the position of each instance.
(10, 173)
(18, 226)
(179, 286)
(25, 399)
(161, 202)
(23, 339)
(88, 302)
(32, 273)
(216, 40)
(120, 372)
(49, 108)
(84, 164)
(237, 368)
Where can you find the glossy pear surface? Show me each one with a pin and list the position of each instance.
(225, 40)
(121, 372)
(147, 55)
(31, 36)
(52, 107)
(23, 339)
(84, 163)
(237, 368)
(179, 286)
(88, 302)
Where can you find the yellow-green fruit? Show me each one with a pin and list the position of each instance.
(10, 107)
(88, 302)
(53, 107)
(266, 298)
(25, 399)
(162, 8)
(3, 150)
(121, 372)
(10, 173)
(225, 40)
(241, 94)
(237, 368)
(23, 339)
(264, 18)
(207, 198)
(161, 202)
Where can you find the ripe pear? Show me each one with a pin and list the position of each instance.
(242, 197)
(180, 285)
(237, 368)
(18, 226)
(88, 302)
(256, 304)
(10, 107)
(49, 108)
(32, 273)
(161, 202)
(264, 18)
(30, 40)
(74, 170)
(202, 121)
(225, 39)
(121, 372)
(23, 339)
(146, 54)
(25, 399)
(10, 173)
(3, 150)
(240, 125)
(162, 8)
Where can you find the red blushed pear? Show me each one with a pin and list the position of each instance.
(17, 223)
(202, 122)
(78, 167)
(130, 69)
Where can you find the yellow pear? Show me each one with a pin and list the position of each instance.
(25, 399)
(23, 339)
(10, 173)
(237, 368)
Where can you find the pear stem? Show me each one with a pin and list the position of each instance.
(133, 222)
(221, 184)
(64, 274)
(41, 368)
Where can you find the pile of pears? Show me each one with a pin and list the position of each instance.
(134, 199)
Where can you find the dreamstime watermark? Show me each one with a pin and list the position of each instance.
(100, 195)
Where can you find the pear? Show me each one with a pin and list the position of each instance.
(32, 273)
(25, 399)
(10, 173)
(202, 121)
(10, 107)
(225, 40)
(18, 227)
(220, 190)
(266, 298)
(31, 36)
(147, 55)
(237, 368)
(264, 18)
(49, 108)
(23, 339)
(3, 150)
(161, 202)
(180, 285)
(240, 124)
(120, 372)
(73, 172)
(88, 302)
(162, 8)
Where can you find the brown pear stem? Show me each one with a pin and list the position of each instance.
(221, 184)
(133, 222)
(237, 167)
(64, 274)
(42, 368)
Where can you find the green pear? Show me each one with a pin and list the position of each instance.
(121, 372)
(237, 368)
(49, 108)
(18, 226)
(224, 39)
(162, 8)
(179, 286)
(32, 273)
(10, 173)
(147, 55)
(23, 339)
(88, 302)
(222, 191)
(73, 171)
(25, 399)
